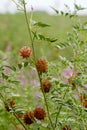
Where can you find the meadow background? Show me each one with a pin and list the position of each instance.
(14, 33)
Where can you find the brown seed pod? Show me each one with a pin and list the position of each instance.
(85, 103)
(39, 113)
(28, 117)
(42, 65)
(46, 84)
(7, 107)
(25, 52)
(67, 127)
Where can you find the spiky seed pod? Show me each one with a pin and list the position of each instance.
(67, 127)
(11, 102)
(39, 113)
(25, 52)
(46, 84)
(28, 117)
(42, 65)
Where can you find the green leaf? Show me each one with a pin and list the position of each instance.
(42, 37)
(78, 7)
(62, 13)
(1, 68)
(25, 64)
(66, 14)
(71, 15)
(11, 67)
(19, 66)
(4, 76)
(52, 40)
(55, 10)
(13, 81)
(40, 24)
(35, 35)
(3, 87)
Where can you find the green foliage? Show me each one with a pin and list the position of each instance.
(40, 24)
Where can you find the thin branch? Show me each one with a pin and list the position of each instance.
(18, 5)
(60, 107)
(32, 40)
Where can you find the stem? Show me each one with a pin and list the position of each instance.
(60, 107)
(29, 31)
(81, 105)
(46, 103)
(32, 40)
(18, 5)
(5, 102)
(1, 95)
(18, 118)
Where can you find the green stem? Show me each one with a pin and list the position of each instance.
(46, 104)
(18, 118)
(60, 107)
(29, 31)
(5, 102)
(18, 5)
(1, 95)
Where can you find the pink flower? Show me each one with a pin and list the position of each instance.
(33, 82)
(23, 82)
(85, 85)
(37, 96)
(7, 70)
(8, 47)
(67, 74)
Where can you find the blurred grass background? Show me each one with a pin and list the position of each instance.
(14, 33)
